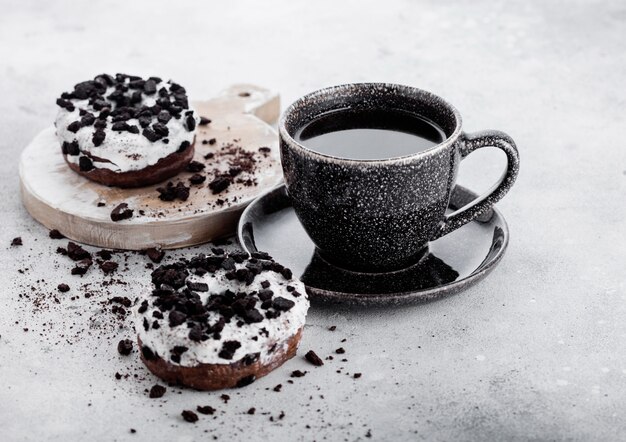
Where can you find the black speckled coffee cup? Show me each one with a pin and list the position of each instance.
(379, 215)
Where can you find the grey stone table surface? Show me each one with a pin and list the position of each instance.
(534, 352)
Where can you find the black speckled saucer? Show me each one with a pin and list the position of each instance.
(455, 261)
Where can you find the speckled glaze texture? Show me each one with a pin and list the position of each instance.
(379, 215)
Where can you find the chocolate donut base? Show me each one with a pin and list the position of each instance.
(165, 168)
(219, 376)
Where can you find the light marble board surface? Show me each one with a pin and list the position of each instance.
(534, 352)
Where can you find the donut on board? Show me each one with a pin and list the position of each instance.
(126, 131)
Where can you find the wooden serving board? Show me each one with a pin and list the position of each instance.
(80, 209)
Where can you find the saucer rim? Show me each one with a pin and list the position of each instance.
(324, 296)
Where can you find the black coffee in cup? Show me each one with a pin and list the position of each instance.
(369, 134)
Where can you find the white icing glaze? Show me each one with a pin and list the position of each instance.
(123, 151)
(279, 330)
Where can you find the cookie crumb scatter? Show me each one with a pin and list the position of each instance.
(206, 409)
(219, 184)
(125, 347)
(171, 192)
(156, 255)
(157, 391)
(55, 234)
(313, 358)
(189, 416)
(121, 212)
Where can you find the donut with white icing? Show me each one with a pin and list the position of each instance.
(126, 131)
(220, 321)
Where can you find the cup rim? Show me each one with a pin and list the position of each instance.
(285, 135)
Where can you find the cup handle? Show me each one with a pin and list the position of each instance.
(471, 211)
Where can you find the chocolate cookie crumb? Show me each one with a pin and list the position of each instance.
(63, 288)
(219, 184)
(189, 416)
(109, 267)
(125, 347)
(297, 373)
(252, 410)
(195, 166)
(340, 351)
(204, 121)
(16, 241)
(356, 375)
(158, 391)
(313, 358)
(155, 255)
(170, 192)
(197, 179)
(225, 398)
(332, 328)
(121, 212)
(278, 388)
(207, 409)
(55, 234)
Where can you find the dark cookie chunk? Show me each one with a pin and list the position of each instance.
(207, 409)
(195, 166)
(282, 304)
(176, 318)
(170, 192)
(98, 137)
(190, 123)
(197, 179)
(55, 234)
(125, 347)
(314, 358)
(16, 241)
(151, 135)
(219, 184)
(198, 286)
(189, 416)
(160, 129)
(109, 267)
(121, 212)
(155, 255)
(204, 121)
(265, 149)
(85, 164)
(157, 391)
(74, 126)
(340, 351)
(164, 117)
(228, 349)
(297, 373)
(65, 104)
(63, 288)
(76, 252)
